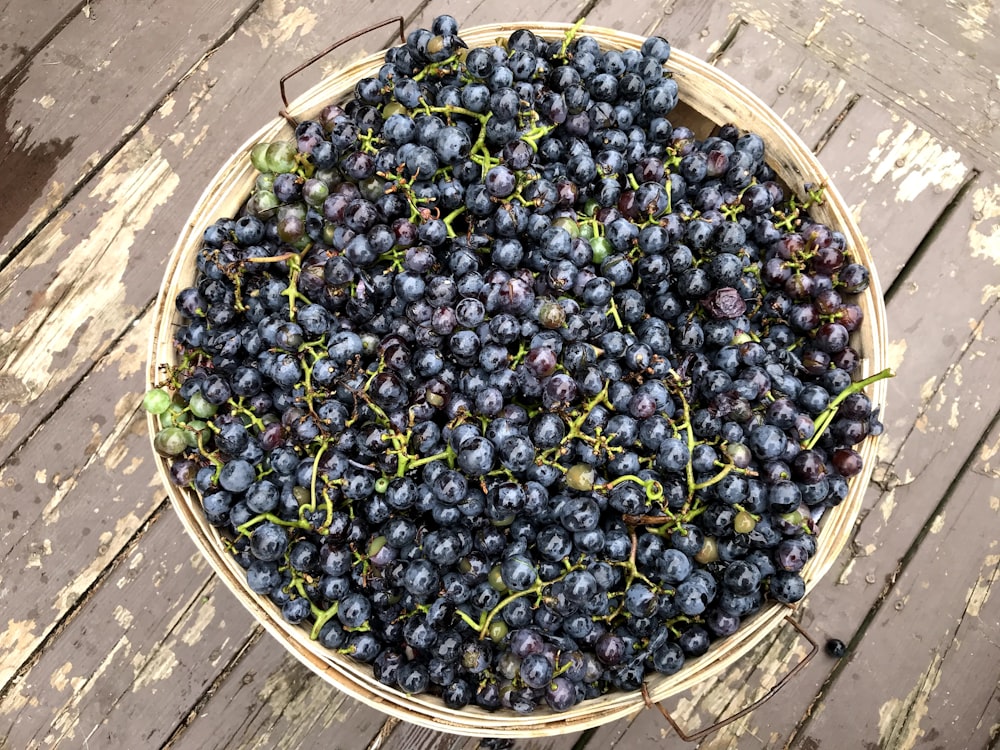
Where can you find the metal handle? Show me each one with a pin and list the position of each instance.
(281, 83)
(757, 703)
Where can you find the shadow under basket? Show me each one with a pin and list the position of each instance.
(708, 98)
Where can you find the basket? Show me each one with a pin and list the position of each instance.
(708, 97)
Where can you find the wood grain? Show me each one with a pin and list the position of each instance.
(77, 98)
(79, 284)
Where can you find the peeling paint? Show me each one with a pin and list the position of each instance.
(844, 578)
(16, 642)
(899, 719)
(927, 389)
(66, 722)
(980, 592)
(124, 528)
(938, 523)
(984, 232)
(69, 323)
(953, 416)
(122, 616)
(974, 23)
(895, 353)
(203, 618)
(888, 505)
(60, 677)
(158, 666)
(915, 161)
(37, 552)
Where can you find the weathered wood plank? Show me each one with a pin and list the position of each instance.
(897, 177)
(95, 81)
(411, 737)
(77, 492)
(806, 92)
(476, 12)
(26, 25)
(940, 72)
(940, 403)
(267, 699)
(79, 284)
(937, 678)
(154, 633)
(698, 27)
(921, 453)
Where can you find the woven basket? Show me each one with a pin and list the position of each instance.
(708, 98)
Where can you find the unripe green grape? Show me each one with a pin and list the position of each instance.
(170, 441)
(372, 189)
(258, 157)
(581, 477)
(496, 579)
(568, 224)
(194, 428)
(601, 248)
(200, 406)
(551, 315)
(264, 202)
(391, 109)
(744, 522)
(280, 157)
(497, 630)
(709, 551)
(156, 401)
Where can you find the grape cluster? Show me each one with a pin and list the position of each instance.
(510, 388)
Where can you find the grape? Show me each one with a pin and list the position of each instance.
(531, 392)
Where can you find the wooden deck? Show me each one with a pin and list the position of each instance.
(115, 634)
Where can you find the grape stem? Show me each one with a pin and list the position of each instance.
(827, 415)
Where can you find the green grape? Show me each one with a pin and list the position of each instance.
(280, 157)
(328, 233)
(200, 407)
(298, 210)
(496, 579)
(170, 441)
(393, 108)
(264, 183)
(372, 188)
(194, 428)
(265, 202)
(156, 401)
(581, 477)
(568, 224)
(498, 630)
(744, 522)
(258, 157)
(601, 248)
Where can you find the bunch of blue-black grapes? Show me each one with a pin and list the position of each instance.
(509, 387)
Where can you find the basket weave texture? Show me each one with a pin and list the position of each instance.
(708, 98)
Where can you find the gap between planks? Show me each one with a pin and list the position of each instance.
(128, 134)
(891, 579)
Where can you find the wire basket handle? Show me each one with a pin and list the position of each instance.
(350, 38)
(694, 737)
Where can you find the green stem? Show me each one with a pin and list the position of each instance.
(474, 624)
(245, 528)
(569, 36)
(322, 617)
(827, 415)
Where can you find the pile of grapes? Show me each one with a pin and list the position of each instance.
(510, 388)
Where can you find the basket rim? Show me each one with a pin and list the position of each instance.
(229, 185)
